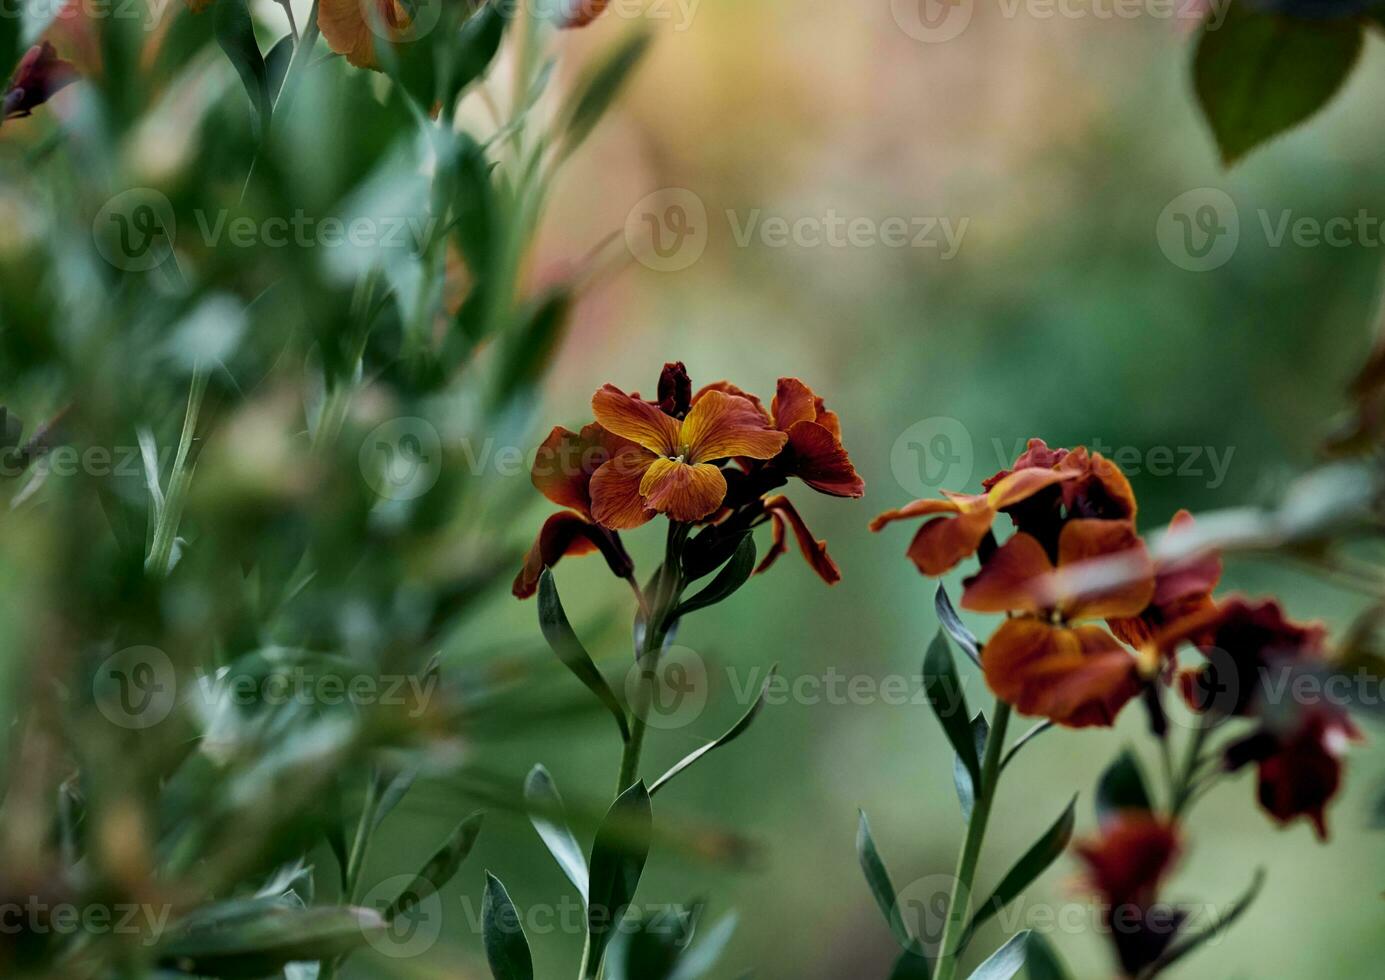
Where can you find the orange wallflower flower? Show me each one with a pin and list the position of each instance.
(1044, 661)
(562, 472)
(580, 13)
(39, 74)
(672, 468)
(1045, 488)
(1181, 589)
(1126, 865)
(354, 27)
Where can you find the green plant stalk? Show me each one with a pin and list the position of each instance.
(954, 929)
(1183, 790)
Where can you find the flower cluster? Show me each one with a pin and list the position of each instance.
(710, 459)
(1094, 623)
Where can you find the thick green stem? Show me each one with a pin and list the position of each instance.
(959, 904)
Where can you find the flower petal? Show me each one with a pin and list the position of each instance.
(819, 460)
(1099, 489)
(636, 420)
(1077, 677)
(727, 388)
(683, 491)
(345, 28)
(1023, 484)
(1082, 593)
(793, 402)
(615, 490)
(1010, 579)
(580, 13)
(721, 426)
(919, 508)
(777, 546)
(944, 541)
(566, 460)
(562, 535)
(814, 551)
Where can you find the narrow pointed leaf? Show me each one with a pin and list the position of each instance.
(1122, 787)
(731, 577)
(966, 792)
(698, 962)
(596, 93)
(732, 733)
(617, 862)
(560, 636)
(507, 948)
(1035, 862)
(952, 623)
(879, 881)
(1005, 962)
(1024, 740)
(547, 816)
(440, 867)
(392, 793)
(944, 690)
(1223, 922)
(478, 41)
(235, 33)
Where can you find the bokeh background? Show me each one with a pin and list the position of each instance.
(1056, 142)
(1060, 141)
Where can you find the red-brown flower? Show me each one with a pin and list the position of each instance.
(1181, 589)
(672, 468)
(1045, 660)
(1127, 864)
(40, 73)
(1242, 640)
(580, 13)
(814, 452)
(1300, 770)
(562, 472)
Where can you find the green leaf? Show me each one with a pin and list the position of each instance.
(560, 636)
(507, 949)
(440, 867)
(618, 857)
(11, 24)
(879, 881)
(708, 550)
(1005, 962)
(912, 965)
(698, 961)
(1024, 740)
(651, 948)
(528, 349)
(276, 64)
(599, 89)
(961, 778)
(235, 33)
(1259, 74)
(1223, 922)
(944, 690)
(1122, 787)
(391, 794)
(253, 940)
(478, 41)
(1042, 961)
(547, 815)
(1027, 869)
(732, 576)
(731, 734)
(952, 623)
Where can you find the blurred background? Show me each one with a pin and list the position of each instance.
(964, 227)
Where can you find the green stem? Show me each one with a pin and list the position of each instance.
(949, 950)
(1186, 784)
